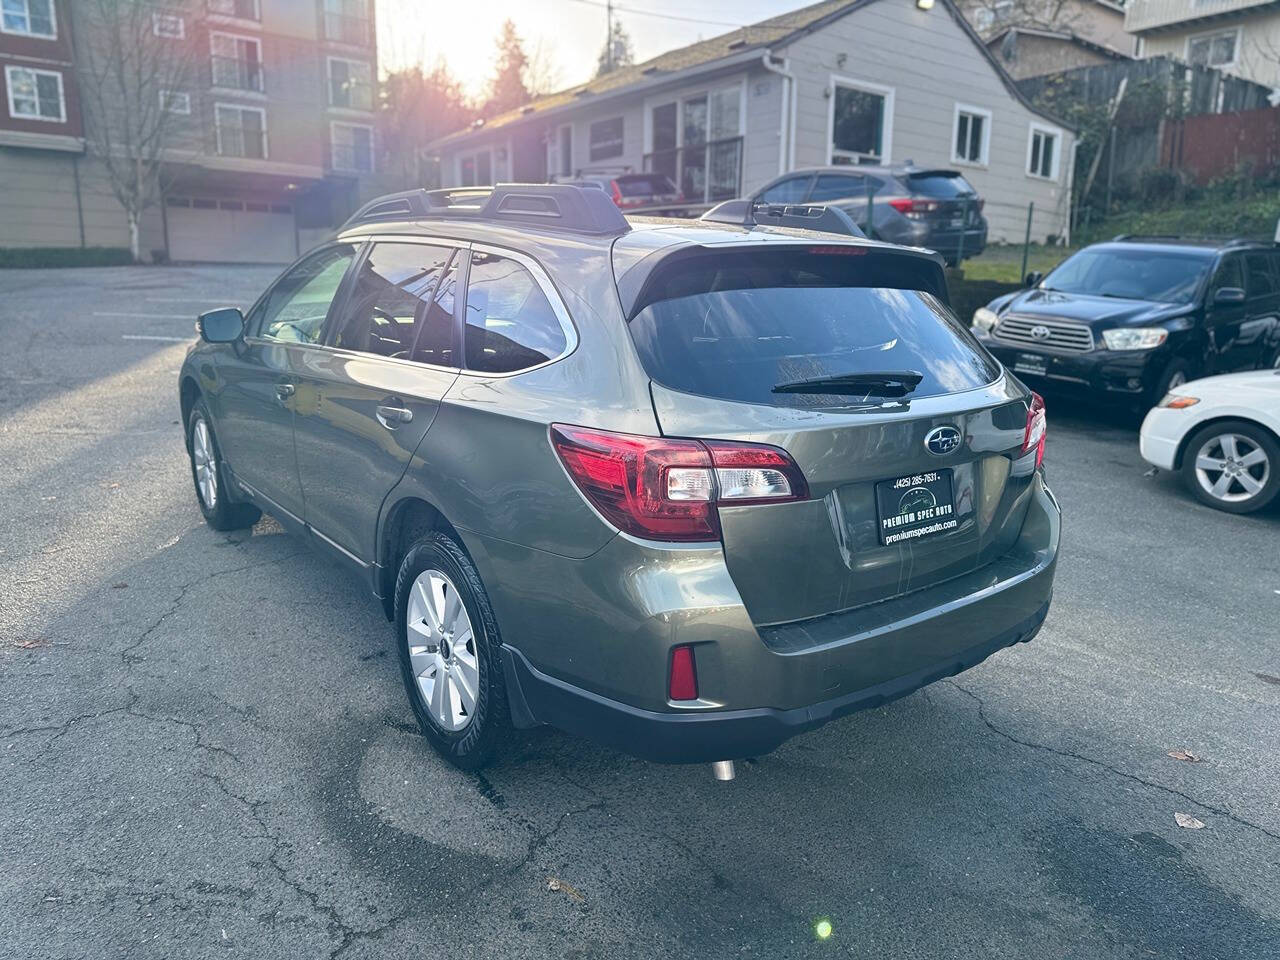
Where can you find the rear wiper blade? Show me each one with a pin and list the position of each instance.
(884, 383)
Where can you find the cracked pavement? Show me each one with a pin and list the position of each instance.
(205, 749)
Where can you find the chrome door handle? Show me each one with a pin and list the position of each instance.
(391, 417)
(284, 391)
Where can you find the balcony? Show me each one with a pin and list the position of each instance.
(235, 73)
(704, 172)
(1143, 15)
(239, 9)
(347, 29)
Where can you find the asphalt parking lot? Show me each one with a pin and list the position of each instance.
(205, 749)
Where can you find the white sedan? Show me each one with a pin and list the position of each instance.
(1223, 435)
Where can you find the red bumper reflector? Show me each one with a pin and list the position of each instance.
(684, 679)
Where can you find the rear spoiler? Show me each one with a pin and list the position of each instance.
(754, 213)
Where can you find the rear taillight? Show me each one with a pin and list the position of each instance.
(683, 681)
(1033, 438)
(913, 207)
(661, 488)
(615, 192)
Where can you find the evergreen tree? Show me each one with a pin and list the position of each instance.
(623, 54)
(507, 89)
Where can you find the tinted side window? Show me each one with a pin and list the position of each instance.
(297, 306)
(791, 190)
(1230, 273)
(391, 304)
(1261, 281)
(510, 324)
(838, 188)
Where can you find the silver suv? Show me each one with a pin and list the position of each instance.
(688, 489)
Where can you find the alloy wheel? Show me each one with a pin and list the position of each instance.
(1232, 468)
(206, 464)
(442, 650)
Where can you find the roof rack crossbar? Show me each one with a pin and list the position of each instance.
(561, 205)
(804, 216)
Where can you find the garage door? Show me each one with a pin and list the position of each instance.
(230, 231)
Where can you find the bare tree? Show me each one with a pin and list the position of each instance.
(131, 59)
(542, 72)
(992, 16)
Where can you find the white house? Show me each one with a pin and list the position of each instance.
(844, 81)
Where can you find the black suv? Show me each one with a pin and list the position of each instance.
(915, 206)
(1136, 316)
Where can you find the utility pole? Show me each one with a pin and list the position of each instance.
(608, 35)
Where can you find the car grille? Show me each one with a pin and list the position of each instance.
(1064, 335)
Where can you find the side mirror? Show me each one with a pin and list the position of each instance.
(1032, 278)
(224, 325)
(1228, 295)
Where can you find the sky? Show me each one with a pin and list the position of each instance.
(565, 35)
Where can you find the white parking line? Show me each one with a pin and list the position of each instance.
(145, 316)
(143, 336)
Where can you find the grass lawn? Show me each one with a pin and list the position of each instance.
(1003, 262)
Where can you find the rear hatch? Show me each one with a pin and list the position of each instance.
(902, 492)
(949, 201)
(638, 189)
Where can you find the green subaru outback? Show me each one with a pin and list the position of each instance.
(685, 488)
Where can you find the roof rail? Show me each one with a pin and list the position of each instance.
(558, 205)
(1184, 238)
(754, 213)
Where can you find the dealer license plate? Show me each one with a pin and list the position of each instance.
(916, 507)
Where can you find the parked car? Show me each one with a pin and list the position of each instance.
(934, 208)
(649, 483)
(631, 191)
(1136, 317)
(1222, 436)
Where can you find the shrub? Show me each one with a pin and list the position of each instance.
(64, 257)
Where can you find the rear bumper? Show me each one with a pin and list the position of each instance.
(601, 672)
(721, 734)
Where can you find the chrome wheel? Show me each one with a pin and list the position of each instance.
(442, 650)
(206, 464)
(1232, 468)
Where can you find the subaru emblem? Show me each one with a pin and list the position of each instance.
(942, 440)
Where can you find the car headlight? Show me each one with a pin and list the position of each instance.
(1135, 338)
(984, 319)
(1178, 401)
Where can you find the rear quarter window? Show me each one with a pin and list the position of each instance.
(735, 326)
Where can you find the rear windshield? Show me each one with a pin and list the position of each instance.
(940, 184)
(645, 186)
(1165, 276)
(734, 327)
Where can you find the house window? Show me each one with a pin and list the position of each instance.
(972, 135)
(861, 122)
(168, 25)
(35, 94)
(240, 9)
(995, 14)
(1042, 152)
(240, 131)
(236, 62)
(697, 142)
(347, 21)
(35, 18)
(173, 101)
(605, 139)
(352, 145)
(1213, 49)
(475, 169)
(350, 84)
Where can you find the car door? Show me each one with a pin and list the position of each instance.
(259, 391)
(370, 394)
(1251, 345)
(1224, 320)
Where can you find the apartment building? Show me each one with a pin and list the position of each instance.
(1241, 37)
(270, 138)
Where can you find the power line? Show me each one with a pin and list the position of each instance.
(654, 13)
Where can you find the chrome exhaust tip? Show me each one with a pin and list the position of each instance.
(723, 770)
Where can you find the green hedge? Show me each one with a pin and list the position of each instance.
(64, 257)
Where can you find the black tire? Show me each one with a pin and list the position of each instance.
(489, 725)
(1177, 372)
(225, 514)
(1261, 440)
